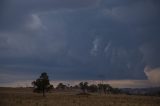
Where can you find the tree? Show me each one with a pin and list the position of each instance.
(115, 91)
(100, 87)
(83, 86)
(93, 88)
(42, 84)
(61, 86)
(106, 88)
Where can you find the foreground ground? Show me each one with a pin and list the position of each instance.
(25, 97)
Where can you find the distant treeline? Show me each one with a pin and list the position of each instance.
(93, 88)
(42, 85)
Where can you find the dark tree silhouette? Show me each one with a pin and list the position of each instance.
(42, 84)
(115, 91)
(61, 86)
(83, 86)
(106, 88)
(100, 88)
(93, 88)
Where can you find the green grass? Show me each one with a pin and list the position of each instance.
(25, 97)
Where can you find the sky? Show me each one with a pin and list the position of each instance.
(114, 40)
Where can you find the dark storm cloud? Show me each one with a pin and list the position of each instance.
(14, 13)
(80, 39)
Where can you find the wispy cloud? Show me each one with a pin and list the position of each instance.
(96, 45)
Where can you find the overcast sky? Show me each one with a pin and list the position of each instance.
(80, 39)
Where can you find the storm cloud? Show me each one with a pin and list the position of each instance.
(79, 39)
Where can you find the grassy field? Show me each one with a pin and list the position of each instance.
(25, 97)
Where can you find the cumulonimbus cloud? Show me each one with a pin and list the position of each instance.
(153, 75)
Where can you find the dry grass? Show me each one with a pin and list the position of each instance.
(24, 97)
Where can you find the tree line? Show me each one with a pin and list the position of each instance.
(42, 85)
